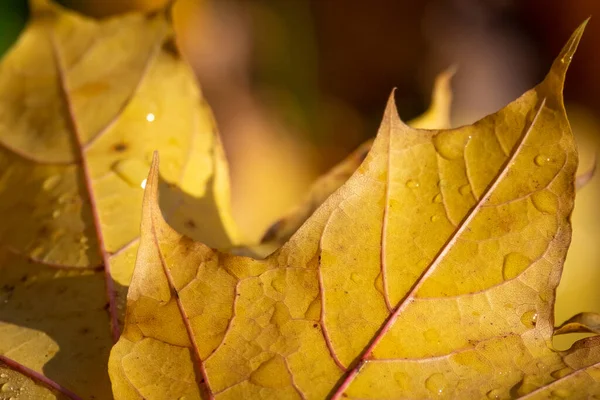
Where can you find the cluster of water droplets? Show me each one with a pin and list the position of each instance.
(11, 390)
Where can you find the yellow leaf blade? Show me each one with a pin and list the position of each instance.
(18, 381)
(585, 322)
(430, 273)
(437, 116)
(84, 103)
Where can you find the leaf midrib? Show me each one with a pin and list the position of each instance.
(389, 322)
(82, 148)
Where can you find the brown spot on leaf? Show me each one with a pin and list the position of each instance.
(120, 147)
(190, 224)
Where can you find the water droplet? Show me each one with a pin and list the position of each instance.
(143, 184)
(51, 182)
(529, 318)
(279, 283)
(545, 201)
(65, 198)
(313, 312)
(526, 386)
(355, 277)
(514, 264)
(434, 218)
(447, 145)
(494, 394)
(412, 184)
(150, 117)
(83, 240)
(3, 376)
(436, 384)
(6, 387)
(561, 373)
(437, 198)
(402, 379)
(566, 59)
(132, 170)
(431, 335)
(55, 214)
(559, 394)
(464, 190)
(541, 160)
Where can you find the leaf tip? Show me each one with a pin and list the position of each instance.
(151, 188)
(565, 57)
(39, 6)
(391, 110)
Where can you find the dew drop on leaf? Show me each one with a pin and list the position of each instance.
(529, 318)
(545, 202)
(436, 384)
(559, 394)
(541, 160)
(278, 283)
(514, 264)
(132, 170)
(51, 182)
(434, 218)
(412, 184)
(64, 198)
(561, 373)
(6, 388)
(355, 277)
(55, 214)
(464, 190)
(526, 386)
(402, 379)
(494, 394)
(432, 335)
(437, 198)
(447, 146)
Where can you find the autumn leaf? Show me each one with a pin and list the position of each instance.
(17, 382)
(83, 104)
(586, 322)
(437, 116)
(430, 273)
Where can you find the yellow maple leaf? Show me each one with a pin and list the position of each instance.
(437, 116)
(83, 103)
(430, 273)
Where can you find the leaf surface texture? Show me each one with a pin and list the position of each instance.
(84, 103)
(430, 273)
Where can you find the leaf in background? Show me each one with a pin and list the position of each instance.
(82, 106)
(17, 382)
(585, 322)
(436, 117)
(430, 273)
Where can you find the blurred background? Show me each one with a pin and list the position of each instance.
(295, 85)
